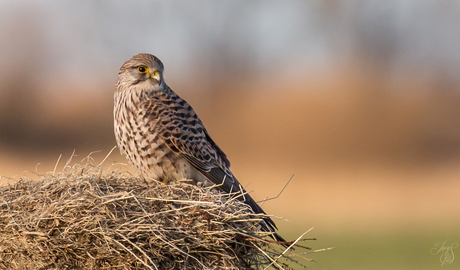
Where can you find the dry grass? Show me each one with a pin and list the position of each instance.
(95, 217)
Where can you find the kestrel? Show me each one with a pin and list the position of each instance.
(163, 138)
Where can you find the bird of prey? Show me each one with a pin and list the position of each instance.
(163, 138)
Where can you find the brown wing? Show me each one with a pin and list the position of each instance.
(185, 134)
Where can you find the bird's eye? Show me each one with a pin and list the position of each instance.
(142, 69)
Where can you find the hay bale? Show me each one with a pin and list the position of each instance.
(91, 217)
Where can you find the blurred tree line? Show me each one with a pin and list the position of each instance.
(385, 59)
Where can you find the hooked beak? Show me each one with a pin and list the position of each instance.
(155, 75)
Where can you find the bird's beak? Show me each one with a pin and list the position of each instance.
(155, 75)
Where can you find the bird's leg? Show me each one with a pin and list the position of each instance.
(164, 179)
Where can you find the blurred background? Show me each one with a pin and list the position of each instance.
(360, 100)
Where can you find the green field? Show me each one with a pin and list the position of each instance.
(382, 250)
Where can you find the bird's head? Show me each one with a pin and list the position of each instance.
(143, 72)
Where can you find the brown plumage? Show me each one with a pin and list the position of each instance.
(163, 138)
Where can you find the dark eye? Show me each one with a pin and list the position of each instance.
(142, 69)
